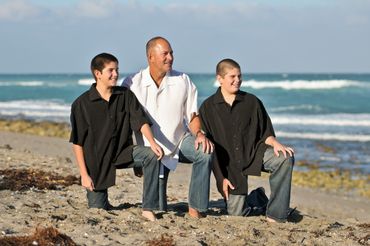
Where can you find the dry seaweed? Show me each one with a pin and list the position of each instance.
(41, 237)
(164, 240)
(25, 179)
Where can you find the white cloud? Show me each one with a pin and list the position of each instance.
(18, 10)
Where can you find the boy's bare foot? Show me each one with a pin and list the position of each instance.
(149, 215)
(270, 220)
(195, 213)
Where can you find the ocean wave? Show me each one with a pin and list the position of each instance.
(22, 83)
(362, 120)
(36, 109)
(324, 136)
(86, 81)
(309, 107)
(302, 84)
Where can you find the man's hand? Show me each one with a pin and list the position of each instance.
(86, 182)
(207, 146)
(226, 184)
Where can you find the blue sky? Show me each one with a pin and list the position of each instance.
(56, 36)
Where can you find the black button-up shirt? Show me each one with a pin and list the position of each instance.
(104, 130)
(239, 133)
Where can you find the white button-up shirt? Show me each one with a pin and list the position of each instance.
(170, 108)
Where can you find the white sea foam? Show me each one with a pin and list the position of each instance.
(86, 81)
(35, 109)
(301, 84)
(22, 83)
(362, 120)
(324, 136)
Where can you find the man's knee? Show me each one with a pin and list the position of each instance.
(204, 157)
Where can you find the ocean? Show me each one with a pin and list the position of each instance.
(325, 117)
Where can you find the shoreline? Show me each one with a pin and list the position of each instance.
(321, 217)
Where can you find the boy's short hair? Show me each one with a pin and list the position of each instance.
(99, 61)
(226, 64)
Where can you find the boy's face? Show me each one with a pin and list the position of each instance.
(109, 75)
(231, 81)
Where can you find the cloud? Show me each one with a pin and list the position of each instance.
(18, 10)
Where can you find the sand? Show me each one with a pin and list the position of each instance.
(321, 217)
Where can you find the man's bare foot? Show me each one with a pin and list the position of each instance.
(149, 215)
(195, 213)
(270, 220)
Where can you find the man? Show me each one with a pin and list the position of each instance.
(170, 99)
(102, 121)
(245, 144)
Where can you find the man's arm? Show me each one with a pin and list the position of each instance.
(147, 132)
(85, 177)
(200, 138)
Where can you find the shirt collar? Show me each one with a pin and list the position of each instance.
(148, 80)
(94, 94)
(220, 99)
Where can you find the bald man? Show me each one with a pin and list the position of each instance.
(170, 99)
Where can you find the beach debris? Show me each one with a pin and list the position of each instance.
(41, 237)
(335, 225)
(6, 146)
(164, 240)
(26, 179)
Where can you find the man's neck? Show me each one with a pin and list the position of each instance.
(157, 76)
(229, 98)
(105, 92)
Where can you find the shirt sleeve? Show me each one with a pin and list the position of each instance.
(265, 125)
(191, 104)
(79, 125)
(138, 116)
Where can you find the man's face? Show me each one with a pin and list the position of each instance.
(109, 75)
(231, 81)
(161, 57)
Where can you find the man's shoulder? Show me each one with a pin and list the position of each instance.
(178, 74)
(133, 78)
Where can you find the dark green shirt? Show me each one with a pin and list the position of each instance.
(104, 130)
(239, 133)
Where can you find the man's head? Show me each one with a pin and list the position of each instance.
(159, 54)
(229, 75)
(104, 68)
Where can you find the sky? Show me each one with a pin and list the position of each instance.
(264, 36)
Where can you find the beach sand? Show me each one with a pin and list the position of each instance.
(321, 217)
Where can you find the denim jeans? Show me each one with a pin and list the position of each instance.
(281, 169)
(97, 199)
(143, 157)
(200, 176)
(280, 183)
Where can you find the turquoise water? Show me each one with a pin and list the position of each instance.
(308, 110)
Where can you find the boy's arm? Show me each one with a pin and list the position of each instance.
(85, 178)
(223, 184)
(272, 141)
(147, 132)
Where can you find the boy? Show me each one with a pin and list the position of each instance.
(239, 126)
(102, 121)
